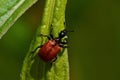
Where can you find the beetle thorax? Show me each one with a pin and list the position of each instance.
(58, 40)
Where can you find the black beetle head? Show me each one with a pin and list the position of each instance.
(62, 33)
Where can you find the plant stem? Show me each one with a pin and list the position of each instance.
(54, 13)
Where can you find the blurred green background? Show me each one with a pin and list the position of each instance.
(94, 52)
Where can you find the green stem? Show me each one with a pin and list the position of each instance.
(54, 13)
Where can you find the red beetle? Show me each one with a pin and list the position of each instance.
(51, 48)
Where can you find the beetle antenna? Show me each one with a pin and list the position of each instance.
(70, 30)
(67, 30)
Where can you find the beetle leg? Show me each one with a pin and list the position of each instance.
(36, 48)
(51, 35)
(54, 59)
(63, 46)
(46, 36)
(63, 42)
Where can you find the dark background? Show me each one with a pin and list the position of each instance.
(94, 52)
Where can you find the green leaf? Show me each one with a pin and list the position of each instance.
(54, 13)
(10, 11)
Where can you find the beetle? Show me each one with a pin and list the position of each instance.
(48, 52)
